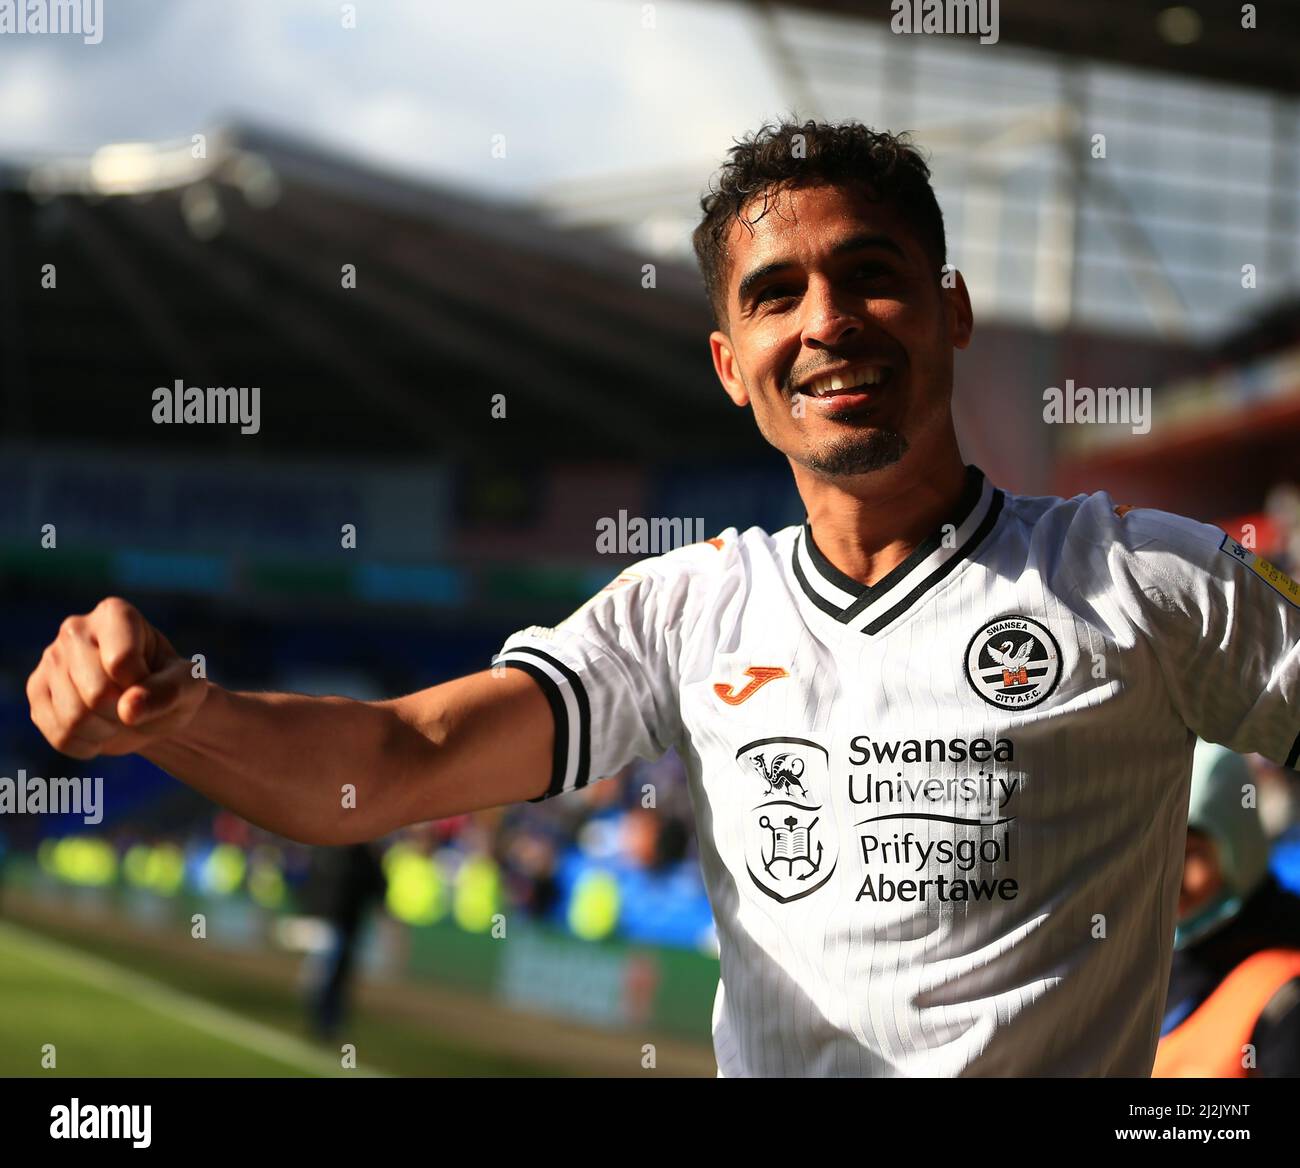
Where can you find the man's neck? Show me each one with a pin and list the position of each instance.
(867, 525)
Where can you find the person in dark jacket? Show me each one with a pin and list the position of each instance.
(1233, 1009)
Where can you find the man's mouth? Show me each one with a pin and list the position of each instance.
(847, 393)
(856, 381)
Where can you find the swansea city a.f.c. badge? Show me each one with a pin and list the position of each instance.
(1013, 662)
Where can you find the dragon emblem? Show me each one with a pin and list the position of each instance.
(780, 776)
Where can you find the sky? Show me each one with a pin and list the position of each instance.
(577, 87)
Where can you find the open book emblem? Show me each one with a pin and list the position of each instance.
(789, 853)
(790, 846)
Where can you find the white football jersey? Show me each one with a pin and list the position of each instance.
(941, 818)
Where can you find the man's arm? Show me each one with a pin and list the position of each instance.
(318, 770)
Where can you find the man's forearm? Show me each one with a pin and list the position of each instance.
(318, 770)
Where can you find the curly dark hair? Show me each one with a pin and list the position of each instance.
(791, 154)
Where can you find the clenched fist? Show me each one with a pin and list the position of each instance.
(111, 683)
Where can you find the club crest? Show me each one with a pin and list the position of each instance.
(1013, 663)
(790, 851)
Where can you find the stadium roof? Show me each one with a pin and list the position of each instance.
(1204, 40)
(228, 270)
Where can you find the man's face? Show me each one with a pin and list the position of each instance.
(830, 282)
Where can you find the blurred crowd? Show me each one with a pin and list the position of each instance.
(617, 859)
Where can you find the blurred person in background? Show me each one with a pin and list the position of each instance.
(527, 854)
(349, 881)
(1283, 508)
(1233, 1009)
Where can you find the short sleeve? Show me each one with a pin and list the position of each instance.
(610, 670)
(1225, 626)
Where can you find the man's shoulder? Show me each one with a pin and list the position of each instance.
(1098, 542)
(1099, 520)
(730, 550)
(689, 578)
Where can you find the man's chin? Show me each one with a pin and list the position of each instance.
(856, 453)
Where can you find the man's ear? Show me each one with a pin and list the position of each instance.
(724, 364)
(961, 319)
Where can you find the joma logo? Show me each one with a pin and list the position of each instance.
(759, 676)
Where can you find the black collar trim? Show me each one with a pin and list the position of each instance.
(870, 608)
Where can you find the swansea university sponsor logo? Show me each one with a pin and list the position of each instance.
(789, 851)
(1013, 662)
(934, 817)
(931, 838)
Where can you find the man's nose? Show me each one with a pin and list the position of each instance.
(828, 319)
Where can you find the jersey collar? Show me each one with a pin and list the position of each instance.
(869, 608)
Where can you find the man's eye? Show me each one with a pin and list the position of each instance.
(778, 292)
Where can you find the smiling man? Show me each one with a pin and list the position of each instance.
(938, 736)
(838, 323)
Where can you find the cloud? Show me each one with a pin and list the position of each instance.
(577, 88)
(29, 97)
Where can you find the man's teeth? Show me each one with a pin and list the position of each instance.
(837, 382)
